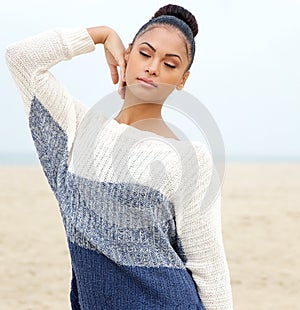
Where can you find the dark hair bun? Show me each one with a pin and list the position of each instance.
(181, 13)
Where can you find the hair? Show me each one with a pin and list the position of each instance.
(179, 18)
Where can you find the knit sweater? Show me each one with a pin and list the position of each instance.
(131, 201)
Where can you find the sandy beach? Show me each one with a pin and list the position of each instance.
(260, 212)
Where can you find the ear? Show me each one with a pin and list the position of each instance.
(183, 80)
(127, 52)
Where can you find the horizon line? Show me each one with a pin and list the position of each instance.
(31, 158)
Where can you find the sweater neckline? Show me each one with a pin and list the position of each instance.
(140, 133)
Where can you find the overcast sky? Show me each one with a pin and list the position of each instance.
(246, 71)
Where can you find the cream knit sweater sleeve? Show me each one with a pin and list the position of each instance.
(200, 231)
(206, 259)
(29, 61)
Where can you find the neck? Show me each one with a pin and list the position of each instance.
(133, 111)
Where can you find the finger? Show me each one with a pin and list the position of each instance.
(122, 65)
(114, 73)
(121, 89)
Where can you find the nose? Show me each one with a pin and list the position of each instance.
(152, 69)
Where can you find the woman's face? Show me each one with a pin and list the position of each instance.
(156, 63)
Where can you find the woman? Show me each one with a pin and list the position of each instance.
(136, 242)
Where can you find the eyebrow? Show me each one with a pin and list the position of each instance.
(154, 50)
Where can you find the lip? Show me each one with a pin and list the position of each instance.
(146, 82)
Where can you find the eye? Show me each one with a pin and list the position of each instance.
(144, 54)
(170, 66)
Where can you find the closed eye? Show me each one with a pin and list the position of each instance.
(170, 66)
(144, 54)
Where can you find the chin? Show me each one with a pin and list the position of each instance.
(144, 94)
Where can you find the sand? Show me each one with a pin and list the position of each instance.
(260, 212)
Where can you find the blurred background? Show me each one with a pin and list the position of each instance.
(246, 72)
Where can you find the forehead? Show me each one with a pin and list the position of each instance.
(164, 38)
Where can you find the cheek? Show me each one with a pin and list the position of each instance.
(174, 78)
(131, 72)
(130, 67)
(128, 70)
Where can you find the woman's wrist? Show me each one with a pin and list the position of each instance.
(99, 33)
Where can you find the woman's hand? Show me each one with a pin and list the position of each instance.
(114, 53)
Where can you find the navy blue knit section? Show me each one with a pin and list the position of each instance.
(74, 293)
(99, 283)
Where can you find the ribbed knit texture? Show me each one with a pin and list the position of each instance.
(139, 233)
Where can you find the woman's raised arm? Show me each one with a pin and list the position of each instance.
(54, 115)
